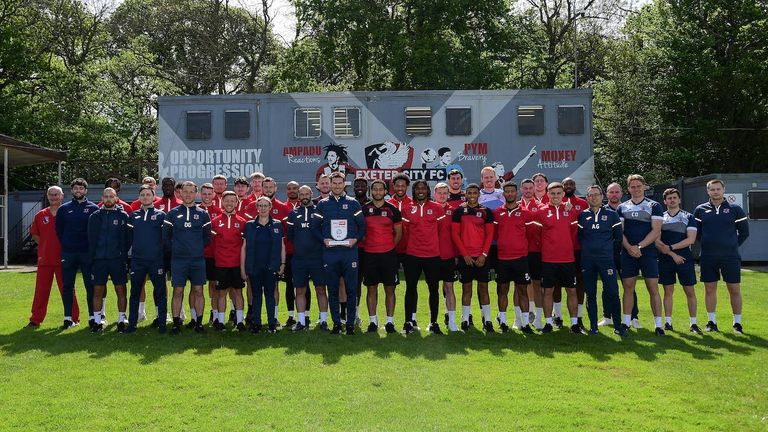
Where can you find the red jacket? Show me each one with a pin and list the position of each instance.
(423, 232)
(472, 230)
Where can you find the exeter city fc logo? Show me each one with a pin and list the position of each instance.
(45, 219)
(388, 155)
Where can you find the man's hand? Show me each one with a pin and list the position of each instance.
(352, 242)
(468, 261)
(243, 276)
(327, 242)
(677, 258)
(480, 261)
(635, 251)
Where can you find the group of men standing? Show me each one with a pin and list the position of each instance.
(539, 238)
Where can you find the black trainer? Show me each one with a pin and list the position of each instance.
(434, 328)
(711, 327)
(241, 327)
(465, 326)
(290, 322)
(580, 323)
(32, 325)
(470, 320)
(558, 322)
(625, 327)
(622, 332)
(390, 328)
(323, 326)
(526, 329)
(659, 331)
(130, 329)
(575, 329)
(372, 328)
(97, 328)
(488, 327)
(299, 327)
(272, 329)
(192, 324)
(503, 327)
(232, 316)
(350, 330)
(738, 329)
(121, 327)
(668, 327)
(256, 328)
(336, 329)
(415, 325)
(155, 323)
(547, 328)
(407, 327)
(695, 329)
(445, 319)
(220, 327)
(199, 328)
(69, 323)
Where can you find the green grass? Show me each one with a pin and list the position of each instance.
(74, 380)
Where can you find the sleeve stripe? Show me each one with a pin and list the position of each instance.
(289, 223)
(574, 223)
(167, 222)
(207, 223)
(580, 226)
(249, 216)
(742, 219)
(317, 215)
(441, 217)
(697, 219)
(406, 220)
(357, 212)
(657, 217)
(616, 224)
(536, 223)
(692, 229)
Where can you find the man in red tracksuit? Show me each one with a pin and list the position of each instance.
(530, 203)
(472, 232)
(208, 203)
(577, 204)
(43, 231)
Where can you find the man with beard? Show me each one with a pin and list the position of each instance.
(455, 193)
(166, 203)
(43, 232)
(207, 198)
(241, 190)
(448, 254)
(188, 230)
(257, 179)
(512, 222)
(307, 259)
(472, 233)
(219, 183)
(227, 229)
(402, 201)
(383, 227)
(533, 234)
(72, 231)
(108, 247)
(323, 186)
(360, 189)
(577, 204)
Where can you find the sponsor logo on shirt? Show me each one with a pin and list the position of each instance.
(603, 218)
(726, 210)
(345, 206)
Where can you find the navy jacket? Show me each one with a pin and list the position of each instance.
(108, 234)
(187, 230)
(146, 234)
(343, 208)
(272, 251)
(72, 225)
(721, 229)
(302, 224)
(599, 233)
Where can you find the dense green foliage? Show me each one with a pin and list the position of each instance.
(681, 86)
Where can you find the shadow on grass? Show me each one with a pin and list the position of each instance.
(151, 347)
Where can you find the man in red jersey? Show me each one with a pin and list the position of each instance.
(43, 231)
(533, 233)
(512, 222)
(540, 182)
(168, 201)
(151, 182)
(422, 254)
(219, 183)
(577, 204)
(207, 202)
(383, 230)
(557, 260)
(227, 229)
(241, 190)
(448, 254)
(402, 201)
(257, 179)
(455, 194)
(472, 233)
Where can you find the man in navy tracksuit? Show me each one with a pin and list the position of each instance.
(307, 257)
(343, 225)
(187, 228)
(108, 246)
(722, 229)
(146, 238)
(72, 230)
(599, 230)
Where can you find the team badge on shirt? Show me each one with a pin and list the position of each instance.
(115, 222)
(195, 217)
(45, 219)
(603, 218)
(345, 206)
(726, 210)
(429, 212)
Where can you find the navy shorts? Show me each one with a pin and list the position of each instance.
(713, 267)
(116, 269)
(473, 273)
(380, 268)
(558, 274)
(631, 267)
(668, 270)
(187, 269)
(534, 265)
(513, 270)
(448, 270)
(304, 268)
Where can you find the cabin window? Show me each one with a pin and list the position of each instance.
(237, 124)
(346, 122)
(530, 120)
(199, 125)
(458, 121)
(306, 123)
(418, 120)
(757, 204)
(570, 119)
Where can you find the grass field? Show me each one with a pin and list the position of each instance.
(75, 380)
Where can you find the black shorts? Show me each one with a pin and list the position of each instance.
(448, 270)
(380, 268)
(228, 277)
(513, 270)
(492, 258)
(577, 259)
(534, 265)
(210, 269)
(558, 274)
(473, 273)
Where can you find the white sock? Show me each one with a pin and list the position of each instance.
(503, 317)
(239, 315)
(221, 317)
(531, 306)
(193, 313)
(694, 320)
(215, 313)
(323, 316)
(486, 310)
(374, 319)
(711, 316)
(548, 320)
(668, 320)
(97, 318)
(413, 316)
(578, 310)
(452, 317)
(574, 321)
(539, 314)
(291, 314)
(465, 312)
(301, 318)
(121, 317)
(737, 318)
(518, 312)
(557, 310)
(657, 320)
(69, 318)
(142, 308)
(524, 318)
(627, 320)
(390, 320)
